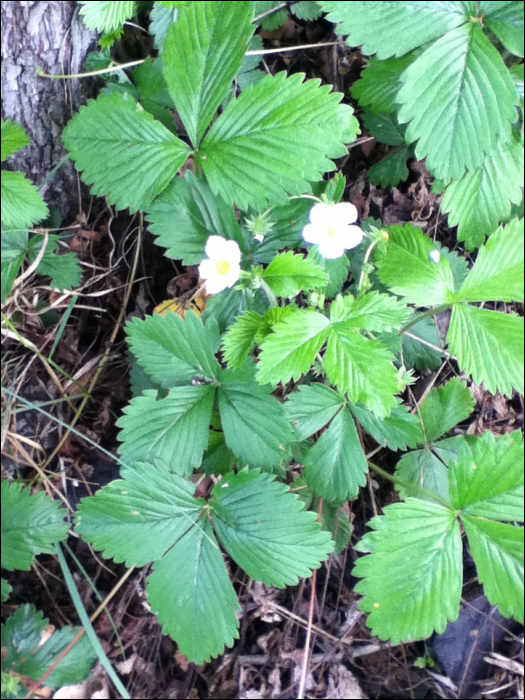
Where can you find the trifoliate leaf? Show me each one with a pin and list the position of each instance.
(409, 271)
(497, 549)
(444, 408)
(335, 467)
(489, 346)
(291, 349)
(465, 109)
(26, 654)
(274, 139)
(498, 271)
(288, 274)
(173, 350)
(203, 51)
(106, 16)
(371, 312)
(391, 170)
(64, 270)
(239, 340)
(384, 128)
(186, 214)
(397, 431)
(22, 204)
(363, 368)
(378, 85)
(420, 355)
(266, 530)
(412, 576)
(13, 138)
(31, 524)
(478, 201)
(137, 518)
(393, 28)
(253, 423)
(132, 159)
(422, 469)
(505, 20)
(192, 595)
(487, 481)
(311, 408)
(173, 429)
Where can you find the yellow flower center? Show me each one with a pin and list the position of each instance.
(330, 231)
(222, 267)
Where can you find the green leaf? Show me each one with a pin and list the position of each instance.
(307, 10)
(335, 467)
(419, 355)
(371, 312)
(489, 346)
(173, 350)
(444, 408)
(203, 51)
(250, 73)
(497, 549)
(22, 204)
(336, 521)
(397, 431)
(422, 469)
(64, 270)
(131, 160)
(106, 16)
(6, 590)
(13, 138)
(464, 110)
(505, 20)
(173, 429)
(275, 139)
(218, 458)
(196, 602)
(378, 85)
(483, 197)
(266, 530)
(391, 170)
(253, 423)
(26, 654)
(311, 407)
(408, 270)
(363, 368)
(239, 340)
(14, 247)
(31, 524)
(337, 270)
(384, 128)
(498, 271)
(186, 214)
(393, 28)
(412, 576)
(288, 274)
(487, 481)
(139, 517)
(290, 350)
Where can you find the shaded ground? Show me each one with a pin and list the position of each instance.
(126, 275)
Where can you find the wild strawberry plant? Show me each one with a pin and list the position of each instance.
(312, 332)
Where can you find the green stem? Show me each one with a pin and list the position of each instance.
(365, 261)
(423, 315)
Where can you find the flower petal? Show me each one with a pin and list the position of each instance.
(232, 252)
(313, 233)
(321, 213)
(331, 248)
(216, 284)
(233, 274)
(207, 269)
(350, 236)
(345, 213)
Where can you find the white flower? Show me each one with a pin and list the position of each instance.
(435, 256)
(222, 268)
(330, 227)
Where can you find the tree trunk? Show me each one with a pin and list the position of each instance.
(50, 35)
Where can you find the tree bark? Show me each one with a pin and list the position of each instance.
(50, 35)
